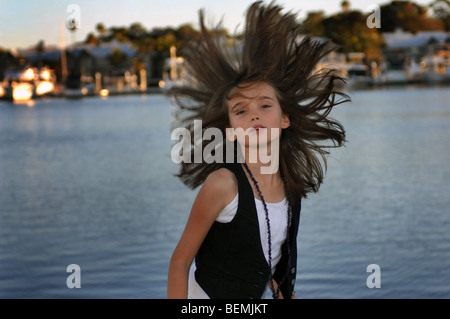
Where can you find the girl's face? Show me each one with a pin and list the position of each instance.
(255, 109)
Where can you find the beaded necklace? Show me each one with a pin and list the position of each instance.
(275, 293)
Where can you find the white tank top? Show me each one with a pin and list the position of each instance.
(278, 225)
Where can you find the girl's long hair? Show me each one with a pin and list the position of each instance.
(269, 51)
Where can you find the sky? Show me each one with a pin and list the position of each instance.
(25, 22)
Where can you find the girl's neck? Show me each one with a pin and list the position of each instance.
(265, 180)
(271, 186)
(263, 164)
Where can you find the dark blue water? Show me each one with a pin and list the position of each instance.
(90, 182)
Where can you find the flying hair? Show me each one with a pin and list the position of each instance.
(270, 50)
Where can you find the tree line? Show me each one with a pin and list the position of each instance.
(348, 28)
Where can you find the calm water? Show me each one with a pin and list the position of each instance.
(90, 182)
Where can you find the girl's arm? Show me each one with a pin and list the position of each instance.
(217, 191)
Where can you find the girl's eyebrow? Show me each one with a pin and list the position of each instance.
(265, 98)
(236, 105)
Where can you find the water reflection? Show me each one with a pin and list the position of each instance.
(91, 182)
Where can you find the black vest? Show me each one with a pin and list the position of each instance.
(231, 263)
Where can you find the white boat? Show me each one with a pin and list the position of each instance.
(19, 84)
(436, 68)
(25, 83)
(45, 82)
(21, 92)
(356, 70)
(395, 76)
(174, 72)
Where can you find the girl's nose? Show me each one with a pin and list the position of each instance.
(255, 116)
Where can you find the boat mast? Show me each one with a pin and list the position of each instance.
(63, 53)
(173, 63)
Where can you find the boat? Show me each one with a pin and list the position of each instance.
(436, 68)
(45, 81)
(21, 84)
(396, 73)
(356, 71)
(174, 72)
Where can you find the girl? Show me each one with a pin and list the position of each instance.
(242, 230)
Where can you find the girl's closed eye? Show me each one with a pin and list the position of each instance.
(242, 111)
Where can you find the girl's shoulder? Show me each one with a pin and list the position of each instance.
(222, 182)
(223, 173)
(222, 179)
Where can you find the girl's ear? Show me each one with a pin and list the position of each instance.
(285, 123)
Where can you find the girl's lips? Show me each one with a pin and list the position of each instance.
(257, 128)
